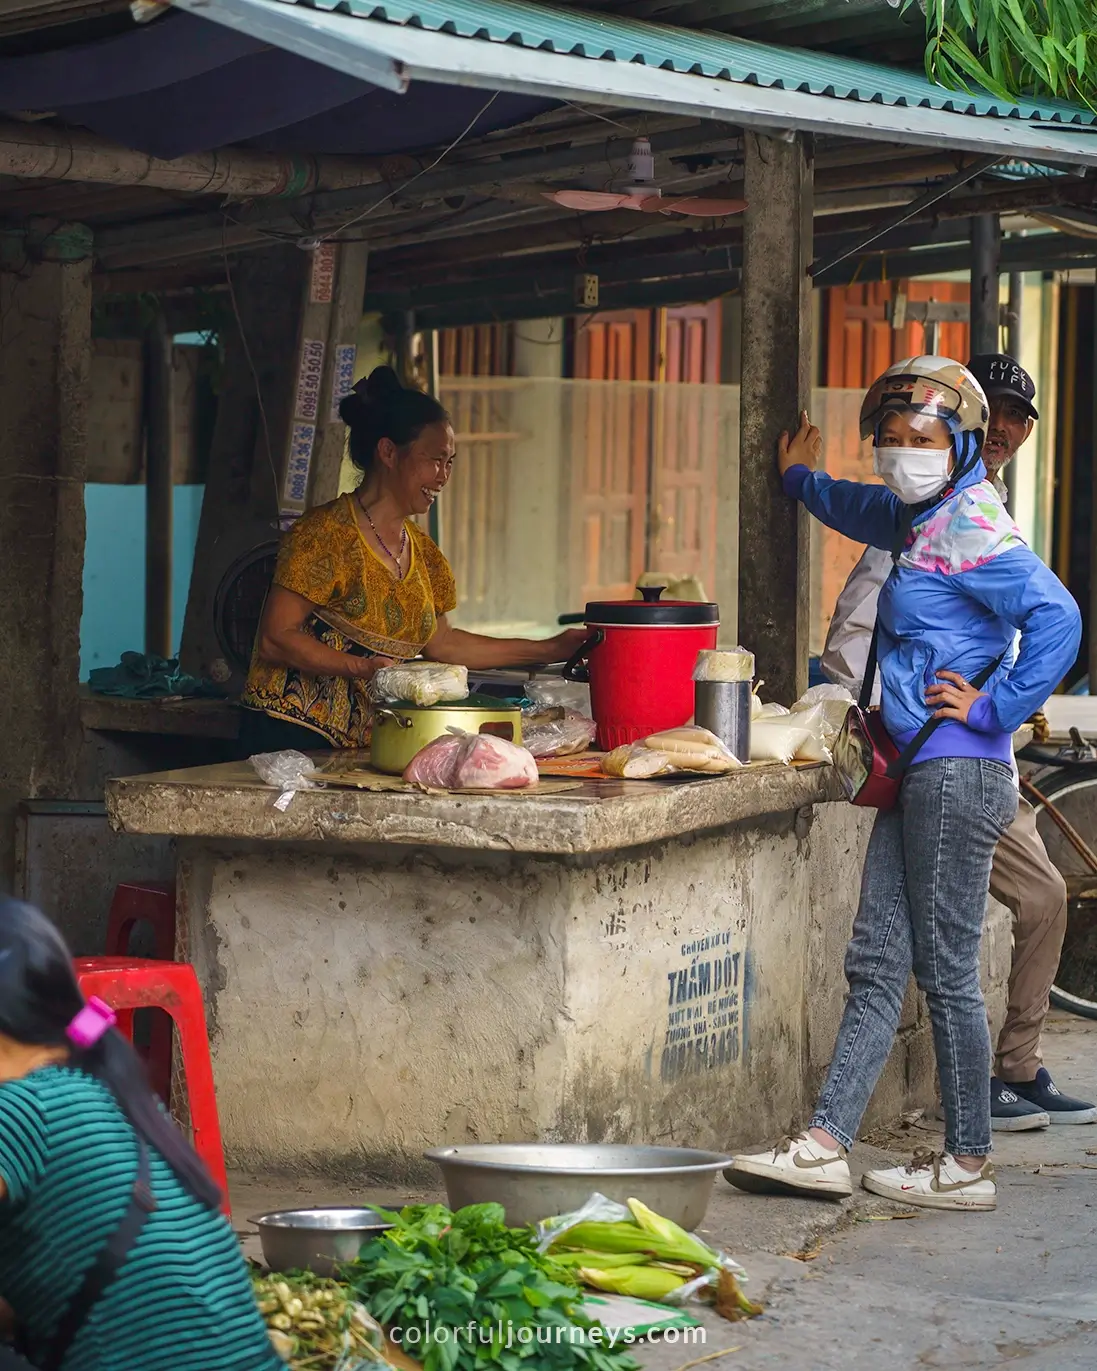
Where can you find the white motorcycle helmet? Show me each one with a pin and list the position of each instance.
(937, 387)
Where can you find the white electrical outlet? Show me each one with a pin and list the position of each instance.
(586, 291)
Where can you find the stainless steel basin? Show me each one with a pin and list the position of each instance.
(316, 1239)
(535, 1181)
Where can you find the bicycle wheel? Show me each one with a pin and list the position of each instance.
(1074, 794)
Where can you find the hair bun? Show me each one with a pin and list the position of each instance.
(381, 386)
(352, 408)
(377, 393)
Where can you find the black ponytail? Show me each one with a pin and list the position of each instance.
(380, 407)
(39, 998)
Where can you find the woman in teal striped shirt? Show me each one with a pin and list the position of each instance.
(79, 1127)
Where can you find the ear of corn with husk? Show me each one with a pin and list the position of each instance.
(586, 1256)
(686, 1247)
(650, 1282)
(649, 1257)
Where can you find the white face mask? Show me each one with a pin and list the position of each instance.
(913, 474)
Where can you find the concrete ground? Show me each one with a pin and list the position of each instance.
(864, 1285)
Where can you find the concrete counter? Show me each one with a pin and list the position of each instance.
(630, 962)
(230, 801)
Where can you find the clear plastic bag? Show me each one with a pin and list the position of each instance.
(562, 738)
(635, 762)
(832, 703)
(735, 664)
(289, 771)
(817, 746)
(472, 761)
(693, 748)
(490, 763)
(553, 692)
(597, 1209)
(823, 735)
(420, 683)
(777, 740)
(435, 766)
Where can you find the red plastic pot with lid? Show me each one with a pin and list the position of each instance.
(640, 658)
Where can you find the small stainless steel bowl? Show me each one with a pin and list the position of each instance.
(316, 1239)
(534, 1181)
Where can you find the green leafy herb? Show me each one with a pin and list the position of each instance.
(469, 1294)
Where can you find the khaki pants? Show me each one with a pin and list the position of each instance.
(1025, 881)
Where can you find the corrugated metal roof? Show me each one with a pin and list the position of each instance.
(616, 38)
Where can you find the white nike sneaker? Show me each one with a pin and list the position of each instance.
(935, 1180)
(799, 1164)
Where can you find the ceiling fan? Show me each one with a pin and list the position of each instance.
(643, 194)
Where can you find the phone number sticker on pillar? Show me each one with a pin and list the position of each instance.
(704, 1029)
(310, 373)
(300, 460)
(322, 279)
(343, 379)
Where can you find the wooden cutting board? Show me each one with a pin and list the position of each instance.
(585, 766)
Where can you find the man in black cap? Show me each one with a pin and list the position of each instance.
(1011, 393)
(1022, 1093)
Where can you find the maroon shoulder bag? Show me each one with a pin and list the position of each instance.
(868, 763)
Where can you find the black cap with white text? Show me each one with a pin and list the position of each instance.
(1000, 375)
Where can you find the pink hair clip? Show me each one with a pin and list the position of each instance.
(91, 1023)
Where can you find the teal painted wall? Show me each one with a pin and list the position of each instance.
(114, 570)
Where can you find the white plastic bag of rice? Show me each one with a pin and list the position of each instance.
(777, 740)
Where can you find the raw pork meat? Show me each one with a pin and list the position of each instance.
(494, 764)
(436, 764)
(472, 762)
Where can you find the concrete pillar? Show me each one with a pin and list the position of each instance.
(45, 358)
(986, 240)
(776, 386)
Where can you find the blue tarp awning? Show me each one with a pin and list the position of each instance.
(561, 53)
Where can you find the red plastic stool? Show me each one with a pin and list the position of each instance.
(150, 902)
(137, 902)
(129, 983)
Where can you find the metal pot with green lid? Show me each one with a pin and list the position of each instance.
(401, 730)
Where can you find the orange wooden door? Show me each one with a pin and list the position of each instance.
(682, 531)
(611, 435)
(861, 342)
(859, 336)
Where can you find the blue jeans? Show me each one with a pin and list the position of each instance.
(923, 902)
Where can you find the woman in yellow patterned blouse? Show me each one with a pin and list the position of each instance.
(358, 585)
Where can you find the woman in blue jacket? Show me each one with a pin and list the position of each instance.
(963, 584)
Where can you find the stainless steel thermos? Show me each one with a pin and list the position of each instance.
(723, 707)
